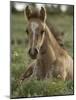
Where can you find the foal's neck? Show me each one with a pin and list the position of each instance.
(50, 49)
(53, 42)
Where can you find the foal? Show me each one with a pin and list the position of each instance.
(51, 60)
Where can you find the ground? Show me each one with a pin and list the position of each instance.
(20, 59)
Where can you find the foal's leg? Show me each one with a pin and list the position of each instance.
(28, 72)
(62, 75)
(61, 71)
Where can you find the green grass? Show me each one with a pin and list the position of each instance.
(20, 59)
(35, 88)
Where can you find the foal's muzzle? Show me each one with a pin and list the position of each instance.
(33, 53)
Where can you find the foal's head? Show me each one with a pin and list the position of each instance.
(35, 30)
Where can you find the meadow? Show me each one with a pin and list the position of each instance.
(20, 59)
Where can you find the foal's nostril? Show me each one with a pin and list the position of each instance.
(33, 52)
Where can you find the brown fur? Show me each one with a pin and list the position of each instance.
(52, 59)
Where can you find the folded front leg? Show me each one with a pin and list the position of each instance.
(28, 72)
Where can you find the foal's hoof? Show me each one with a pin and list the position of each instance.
(59, 76)
(20, 82)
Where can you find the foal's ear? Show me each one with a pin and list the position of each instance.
(43, 14)
(27, 12)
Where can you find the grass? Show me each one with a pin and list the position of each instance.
(20, 59)
(35, 88)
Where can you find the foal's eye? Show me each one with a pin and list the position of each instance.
(27, 31)
(42, 31)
